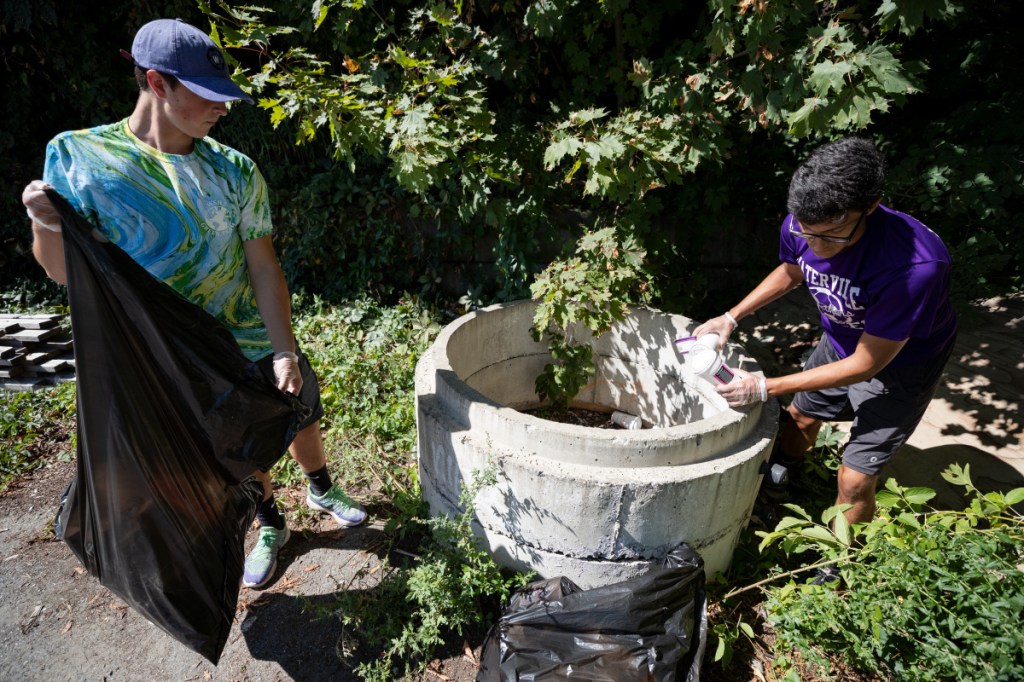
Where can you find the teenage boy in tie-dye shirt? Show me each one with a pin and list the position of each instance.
(195, 213)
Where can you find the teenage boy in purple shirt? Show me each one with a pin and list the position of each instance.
(881, 280)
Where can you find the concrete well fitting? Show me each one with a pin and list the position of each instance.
(595, 505)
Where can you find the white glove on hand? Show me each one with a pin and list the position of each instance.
(721, 325)
(286, 372)
(744, 389)
(39, 207)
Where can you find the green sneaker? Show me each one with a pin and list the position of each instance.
(262, 560)
(339, 505)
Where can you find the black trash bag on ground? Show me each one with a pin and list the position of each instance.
(653, 627)
(173, 421)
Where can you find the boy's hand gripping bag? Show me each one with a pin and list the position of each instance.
(652, 628)
(173, 421)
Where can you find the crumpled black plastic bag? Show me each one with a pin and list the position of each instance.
(173, 421)
(653, 627)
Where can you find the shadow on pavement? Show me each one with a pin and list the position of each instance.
(299, 633)
(915, 467)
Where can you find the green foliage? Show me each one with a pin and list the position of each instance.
(478, 132)
(972, 187)
(727, 633)
(30, 423)
(365, 355)
(579, 299)
(829, 441)
(350, 234)
(909, 17)
(820, 471)
(452, 584)
(27, 294)
(503, 119)
(931, 594)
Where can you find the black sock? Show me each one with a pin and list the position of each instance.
(268, 514)
(319, 481)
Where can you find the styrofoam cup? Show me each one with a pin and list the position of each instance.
(707, 363)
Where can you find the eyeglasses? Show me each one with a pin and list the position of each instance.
(825, 237)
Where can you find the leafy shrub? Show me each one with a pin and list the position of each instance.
(666, 119)
(931, 595)
(30, 424)
(452, 584)
(365, 355)
(583, 296)
(501, 122)
(344, 235)
(752, 563)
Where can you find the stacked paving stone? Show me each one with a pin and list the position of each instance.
(35, 351)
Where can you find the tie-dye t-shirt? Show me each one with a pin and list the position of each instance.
(183, 217)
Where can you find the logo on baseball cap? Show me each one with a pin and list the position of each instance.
(173, 47)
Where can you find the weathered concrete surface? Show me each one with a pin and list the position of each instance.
(595, 505)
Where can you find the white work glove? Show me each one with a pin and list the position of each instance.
(286, 372)
(721, 325)
(744, 389)
(39, 207)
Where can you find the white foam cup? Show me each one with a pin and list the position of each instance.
(706, 362)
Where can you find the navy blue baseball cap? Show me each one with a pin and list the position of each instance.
(181, 50)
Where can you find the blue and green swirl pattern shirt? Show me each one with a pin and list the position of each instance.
(183, 217)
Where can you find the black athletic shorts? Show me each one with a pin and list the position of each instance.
(885, 409)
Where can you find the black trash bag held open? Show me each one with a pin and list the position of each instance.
(650, 628)
(173, 421)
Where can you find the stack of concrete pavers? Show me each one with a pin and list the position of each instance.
(35, 351)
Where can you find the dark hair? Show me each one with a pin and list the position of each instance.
(839, 177)
(140, 78)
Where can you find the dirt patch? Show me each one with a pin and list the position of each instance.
(580, 416)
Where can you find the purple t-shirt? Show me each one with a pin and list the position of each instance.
(893, 283)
